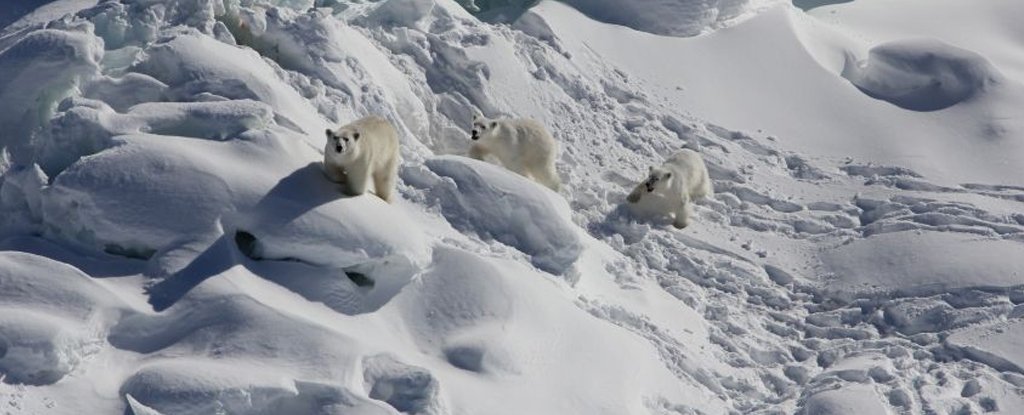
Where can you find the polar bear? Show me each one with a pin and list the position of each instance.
(521, 145)
(363, 150)
(671, 188)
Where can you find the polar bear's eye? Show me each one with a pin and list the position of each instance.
(355, 136)
(668, 175)
(494, 124)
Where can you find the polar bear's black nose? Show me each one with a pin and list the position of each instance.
(337, 148)
(475, 135)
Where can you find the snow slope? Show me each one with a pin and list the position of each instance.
(169, 245)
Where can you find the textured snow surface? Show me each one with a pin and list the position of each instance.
(169, 243)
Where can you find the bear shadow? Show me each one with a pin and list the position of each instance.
(301, 191)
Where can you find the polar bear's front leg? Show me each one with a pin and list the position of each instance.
(356, 183)
(635, 195)
(683, 213)
(478, 152)
(335, 174)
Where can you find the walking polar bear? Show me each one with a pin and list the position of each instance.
(670, 188)
(521, 145)
(363, 150)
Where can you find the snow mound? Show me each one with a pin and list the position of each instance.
(218, 386)
(86, 203)
(851, 400)
(306, 218)
(83, 127)
(52, 316)
(665, 17)
(496, 203)
(500, 320)
(37, 72)
(199, 65)
(922, 74)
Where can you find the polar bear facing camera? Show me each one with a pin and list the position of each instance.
(670, 188)
(366, 149)
(521, 145)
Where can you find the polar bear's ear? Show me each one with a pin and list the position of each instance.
(330, 134)
(476, 116)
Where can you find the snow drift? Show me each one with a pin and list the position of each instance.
(922, 75)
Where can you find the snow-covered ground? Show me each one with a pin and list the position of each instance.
(169, 244)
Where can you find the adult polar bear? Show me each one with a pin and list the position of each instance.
(363, 150)
(521, 145)
(671, 188)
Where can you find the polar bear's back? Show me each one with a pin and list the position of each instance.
(533, 137)
(689, 165)
(376, 126)
(380, 136)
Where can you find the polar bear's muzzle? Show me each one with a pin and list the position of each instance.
(475, 135)
(338, 148)
(650, 184)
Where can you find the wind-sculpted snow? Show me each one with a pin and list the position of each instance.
(179, 186)
(661, 17)
(171, 245)
(37, 72)
(219, 386)
(665, 17)
(499, 204)
(922, 75)
(52, 316)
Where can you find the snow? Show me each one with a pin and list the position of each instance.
(923, 75)
(169, 243)
(997, 345)
(496, 203)
(673, 18)
(916, 263)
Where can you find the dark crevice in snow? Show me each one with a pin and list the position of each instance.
(142, 253)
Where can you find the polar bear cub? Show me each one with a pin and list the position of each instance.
(671, 188)
(363, 150)
(521, 145)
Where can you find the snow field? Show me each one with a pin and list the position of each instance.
(167, 155)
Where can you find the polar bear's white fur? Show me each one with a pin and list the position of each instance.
(670, 188)
(521, 145)
(363, 150)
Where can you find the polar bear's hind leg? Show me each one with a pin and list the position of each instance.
(683, 214)
(548, 177)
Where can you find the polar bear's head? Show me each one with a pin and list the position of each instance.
(657, 179)
(342, 142)
(484, 128)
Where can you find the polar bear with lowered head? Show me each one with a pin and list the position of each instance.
(366, 149)
(671, 188)
(521, 145)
